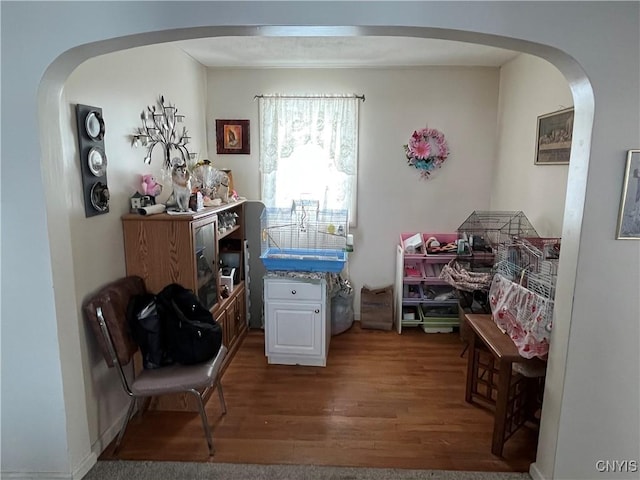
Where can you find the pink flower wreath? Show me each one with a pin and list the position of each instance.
(427, 150)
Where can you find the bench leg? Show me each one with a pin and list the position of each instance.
(502, 401)
(472, 368)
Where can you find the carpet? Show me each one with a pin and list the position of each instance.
(127, 470)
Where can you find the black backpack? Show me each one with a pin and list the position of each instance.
(193, 335)
(148, 330)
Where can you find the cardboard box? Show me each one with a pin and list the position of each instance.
(376, 308)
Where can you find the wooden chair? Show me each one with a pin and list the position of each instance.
(106, 313)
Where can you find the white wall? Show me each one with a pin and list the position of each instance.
(392, 198)
(593, 371)
(529, 86)
(123, 84)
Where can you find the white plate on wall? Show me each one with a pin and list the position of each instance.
(97, 162)
(94, 125)
(100, 197)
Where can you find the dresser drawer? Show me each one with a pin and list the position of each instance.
(279, 290)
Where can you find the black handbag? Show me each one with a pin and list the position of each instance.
(193, 335)
(148, 330)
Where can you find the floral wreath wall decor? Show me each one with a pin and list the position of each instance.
(426, 151)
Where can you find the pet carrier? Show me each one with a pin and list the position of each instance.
(304, 238)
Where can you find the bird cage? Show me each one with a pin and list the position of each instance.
(482, 233)
(522, 292)
(486, 230)
(304, 238)
(532, 263)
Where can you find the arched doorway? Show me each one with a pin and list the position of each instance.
(55, 77)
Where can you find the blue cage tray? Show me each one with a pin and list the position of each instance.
(300, 260)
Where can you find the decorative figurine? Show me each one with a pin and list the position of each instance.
(149, 186)
(222, 188)
(181, 180)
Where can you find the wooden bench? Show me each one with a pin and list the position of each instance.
(491, 378)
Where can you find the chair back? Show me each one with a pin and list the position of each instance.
(112, 301)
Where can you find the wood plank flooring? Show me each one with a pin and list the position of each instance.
(384, 400)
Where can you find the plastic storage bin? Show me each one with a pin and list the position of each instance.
(341, 312)
(440, 319)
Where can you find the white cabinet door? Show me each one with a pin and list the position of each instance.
(294, 328)
(297, 328)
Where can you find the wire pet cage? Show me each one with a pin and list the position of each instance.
(482, 233)
(304, 238)
(486, 230)
(531, 262)
(522, 292)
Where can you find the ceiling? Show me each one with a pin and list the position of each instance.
(336, 52)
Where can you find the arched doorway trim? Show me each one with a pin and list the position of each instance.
(52, 132)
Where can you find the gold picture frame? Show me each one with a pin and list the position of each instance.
(553, 138)
(629, 215)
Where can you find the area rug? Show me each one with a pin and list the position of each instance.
(127, 470)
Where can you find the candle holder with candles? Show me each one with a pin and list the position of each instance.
(160, 127)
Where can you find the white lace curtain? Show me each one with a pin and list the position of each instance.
(309, 148)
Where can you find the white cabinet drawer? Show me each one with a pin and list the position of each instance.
(279, 290)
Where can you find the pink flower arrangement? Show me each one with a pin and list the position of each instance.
(427, 150)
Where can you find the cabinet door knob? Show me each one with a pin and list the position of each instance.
(293, 292)
(317, 310)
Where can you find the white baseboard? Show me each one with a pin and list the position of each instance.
(535, 473)
(109, 434)
(36, 476)
(87, 464)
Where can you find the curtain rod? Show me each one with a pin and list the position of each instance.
(360, 97)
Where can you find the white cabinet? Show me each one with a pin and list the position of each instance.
(297, 328)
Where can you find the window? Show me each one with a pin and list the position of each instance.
(309, 150)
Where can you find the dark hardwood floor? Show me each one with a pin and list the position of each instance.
(384, 400)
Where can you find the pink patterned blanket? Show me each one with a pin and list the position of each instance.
(524, 315)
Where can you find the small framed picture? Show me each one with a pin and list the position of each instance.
(553, 138)
(232, 136)
(629, 216)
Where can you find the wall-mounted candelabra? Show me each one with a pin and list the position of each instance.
(160, 127)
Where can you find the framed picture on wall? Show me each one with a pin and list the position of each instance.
(232, 136)
(629, 216)
(553, 137)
